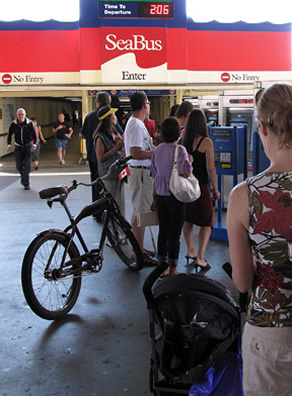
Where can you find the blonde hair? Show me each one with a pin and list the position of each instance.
(275, 111)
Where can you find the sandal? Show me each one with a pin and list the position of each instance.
(203, 268)
(148, 261)
(150, 253)
(190, 258)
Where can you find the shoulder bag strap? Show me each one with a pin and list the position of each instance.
(175, 154)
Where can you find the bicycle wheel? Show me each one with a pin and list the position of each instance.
(124, 244)
(48, 295)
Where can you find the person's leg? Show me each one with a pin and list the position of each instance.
(26, 165)
(35, 157)
(163, 217)
(140, 185)
(59, 153)
(176, 213)
(18, 155)
(189, 239)
(204, 236)
(93, 176)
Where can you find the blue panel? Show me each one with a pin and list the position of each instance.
(219, 232)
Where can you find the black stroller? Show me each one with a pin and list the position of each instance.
(194, 323)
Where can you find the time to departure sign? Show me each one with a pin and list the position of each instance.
(145, 9)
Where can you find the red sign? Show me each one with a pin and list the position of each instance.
(225, 77)
(7, 79)
(148, 46)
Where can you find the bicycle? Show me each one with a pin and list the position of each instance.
(52, 266)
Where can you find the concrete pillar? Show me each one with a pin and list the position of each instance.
(85, 109)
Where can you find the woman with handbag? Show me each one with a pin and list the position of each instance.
(200, 212)
(108, 145)
(170, 210)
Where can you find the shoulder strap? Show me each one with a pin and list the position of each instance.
(198, 145)
(175, 154)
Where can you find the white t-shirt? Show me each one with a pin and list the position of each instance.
(136, 135)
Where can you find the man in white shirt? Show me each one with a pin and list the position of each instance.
(139, 144)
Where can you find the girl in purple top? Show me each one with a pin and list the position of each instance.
(170, 211)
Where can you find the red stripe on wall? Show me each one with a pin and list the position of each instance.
(39, 51)
(252, 51)
(176, 49)
(90, 49)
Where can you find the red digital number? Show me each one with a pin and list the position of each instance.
(159, 9)
(166, 10)
(152, 9)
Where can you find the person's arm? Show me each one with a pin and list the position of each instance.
(34, 136)
(41, 135)
(55, 129)
(9, 137)
(84, 129)
(70, 132)
(211, 170)
(101, 154)
(239, 244)
(139, 154)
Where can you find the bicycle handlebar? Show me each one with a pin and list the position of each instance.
(117, 164)
(64, 191)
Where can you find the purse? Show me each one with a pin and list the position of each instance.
(184, 189)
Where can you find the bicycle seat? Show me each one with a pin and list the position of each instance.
(52, 192)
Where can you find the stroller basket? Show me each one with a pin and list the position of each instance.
(193, 321)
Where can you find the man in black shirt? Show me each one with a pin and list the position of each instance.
(25, 140)
(63, 132)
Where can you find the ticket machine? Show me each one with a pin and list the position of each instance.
(236, 108)
(230, 157)
(209, 105)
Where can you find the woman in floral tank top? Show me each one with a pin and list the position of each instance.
(259, 223)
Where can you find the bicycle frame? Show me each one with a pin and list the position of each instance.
(106, 204)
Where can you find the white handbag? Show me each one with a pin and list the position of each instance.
(184, 189)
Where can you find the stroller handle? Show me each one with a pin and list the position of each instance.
(150, 280)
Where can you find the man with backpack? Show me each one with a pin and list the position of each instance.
(24, 135)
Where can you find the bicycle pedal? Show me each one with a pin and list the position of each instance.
(94, 253)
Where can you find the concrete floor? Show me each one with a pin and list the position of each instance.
(102, 347)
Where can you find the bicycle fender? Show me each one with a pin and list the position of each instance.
(51, 231)
(126, 226)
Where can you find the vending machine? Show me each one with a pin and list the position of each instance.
(210, 106)
(230, 157)
(236, 108)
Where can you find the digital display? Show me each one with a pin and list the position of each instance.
(144, 9)
(157, 10)
(241, 101)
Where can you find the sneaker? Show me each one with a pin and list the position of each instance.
(27, 187)
(63, 162)
(36, 168)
